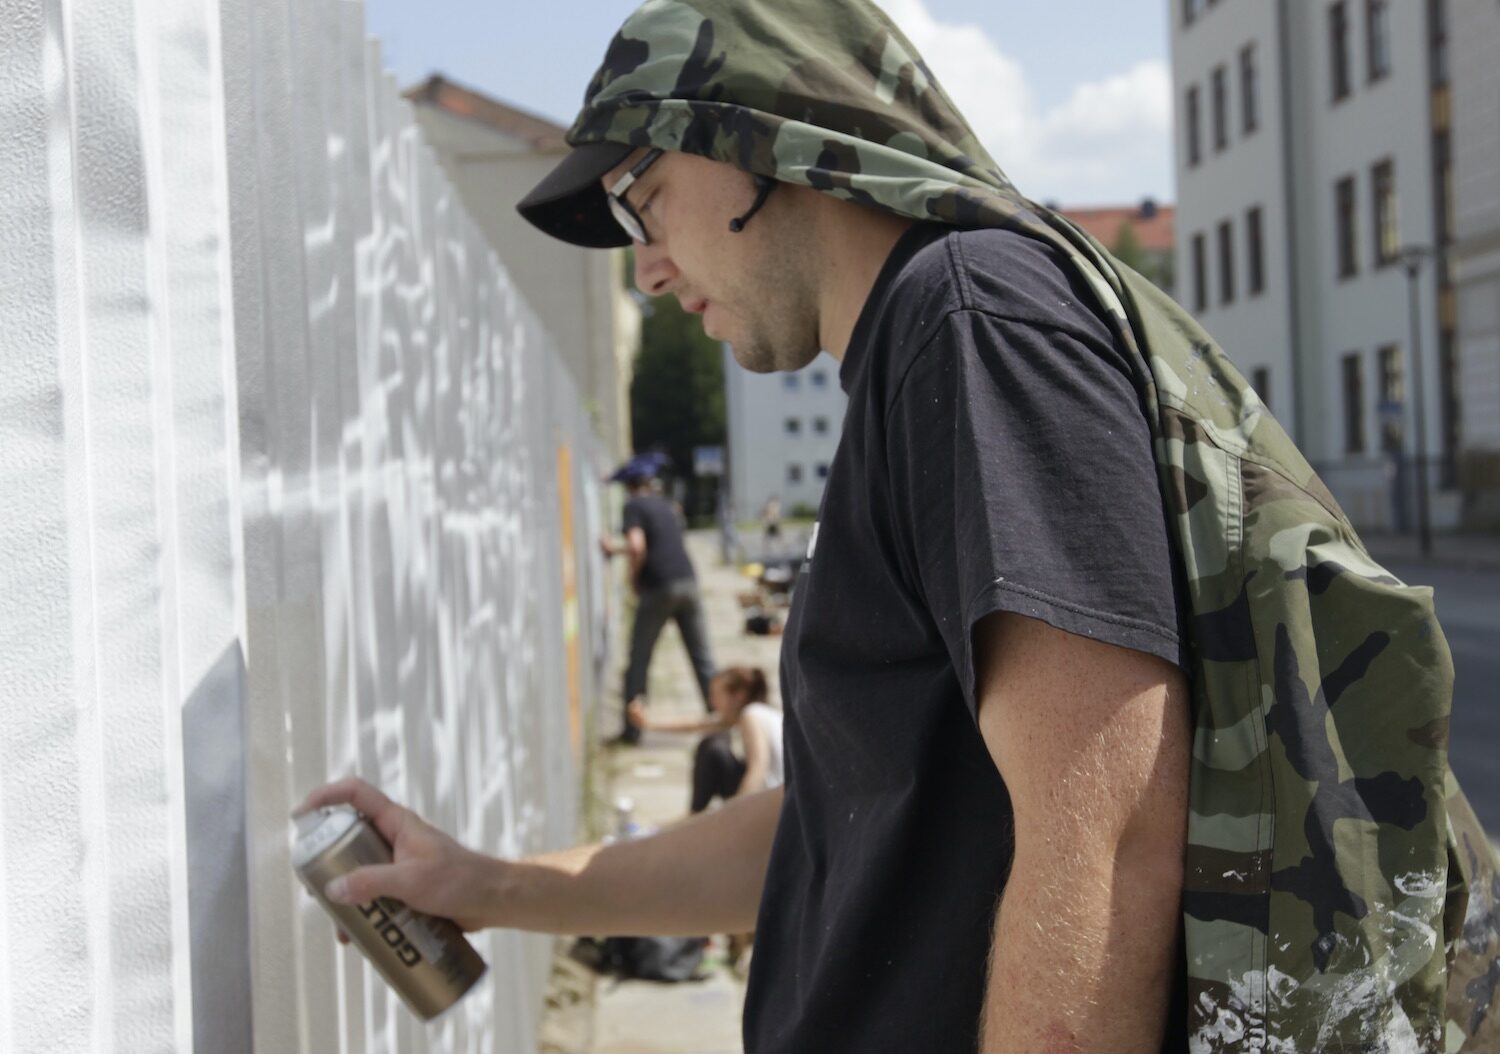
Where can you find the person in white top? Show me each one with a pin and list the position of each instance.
(737, 697)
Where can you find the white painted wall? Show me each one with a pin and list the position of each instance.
(579, 294)
(280, 447)
(758, 406)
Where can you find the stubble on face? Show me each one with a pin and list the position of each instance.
(776, 292)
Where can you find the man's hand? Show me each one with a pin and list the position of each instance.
(431, 872)
(1093, 743)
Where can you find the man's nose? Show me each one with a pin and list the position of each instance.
(654, 269)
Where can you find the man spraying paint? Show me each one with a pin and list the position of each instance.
(1103, 732)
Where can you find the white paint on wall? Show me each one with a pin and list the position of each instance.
(279, 443)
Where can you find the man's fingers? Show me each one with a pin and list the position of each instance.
(365, 884)
(387, 816)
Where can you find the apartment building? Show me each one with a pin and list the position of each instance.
(783, 431)
(1474, 28)
(1313, 145)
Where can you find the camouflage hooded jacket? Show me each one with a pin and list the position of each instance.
(1340, 895)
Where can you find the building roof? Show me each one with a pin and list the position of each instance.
(538, 132)
(1153, 224)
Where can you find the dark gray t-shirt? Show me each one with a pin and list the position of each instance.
(666, 555)
(994, 458)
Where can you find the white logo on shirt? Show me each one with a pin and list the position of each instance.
(812, 543)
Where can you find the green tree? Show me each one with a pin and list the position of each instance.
(677, 394)
(1155, 267)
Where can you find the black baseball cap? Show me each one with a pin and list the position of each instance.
(569, 203)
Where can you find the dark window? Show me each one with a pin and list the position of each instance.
(819, 379)
(794, 473)
(1392, 397)
(1226, 262)
(1442, 176)
(1191, 9)
(1200, 273)
(1255, 239)
(1437, 41)
(1383, 199)
(1221, 107)
(822, 471)
(1347, 231)
(820, 426)
(1338, 49)
(1249, 90)
(1260, 380)
(1354, 405)
(789, 381)
(1194, 143)
(1377, 38)
(793, 426)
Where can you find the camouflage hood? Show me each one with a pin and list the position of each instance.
(1339, 894)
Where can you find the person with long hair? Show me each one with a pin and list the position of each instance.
(738, 698)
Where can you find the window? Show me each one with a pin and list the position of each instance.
(1383, 197)
(820, 426)
(1338, 49)
(1354, 406)
(819, 379)
(794, 473)
(822, 471)
(1191, 9)
(1442, 176)
(1377, 39)
(793, 426)
(1255, 240)
(1221, 107)
(1200, 273)
(1226, 262)
(1194, 143)
(1437, 41)
(1260, 380)
(789, 381)
(1249, 90)
(1392, 396)
(1347, 234)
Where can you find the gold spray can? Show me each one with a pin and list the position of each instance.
(427, 960)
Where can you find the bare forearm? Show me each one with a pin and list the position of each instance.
(1083, 957)
(703, 875)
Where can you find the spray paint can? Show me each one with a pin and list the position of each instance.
(427, 960)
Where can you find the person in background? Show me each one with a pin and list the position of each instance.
(738, 699)
(771, 514)
(665, 583)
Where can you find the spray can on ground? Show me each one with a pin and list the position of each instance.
(427, 960)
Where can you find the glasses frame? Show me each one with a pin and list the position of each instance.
(619, 205)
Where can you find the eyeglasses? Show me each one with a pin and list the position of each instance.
(620, 206)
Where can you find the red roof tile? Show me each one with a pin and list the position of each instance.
(1154, 234)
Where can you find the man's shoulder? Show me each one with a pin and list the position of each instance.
(995, 272)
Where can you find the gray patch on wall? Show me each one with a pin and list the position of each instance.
(213, 751)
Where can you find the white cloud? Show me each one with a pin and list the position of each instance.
(1109, 142)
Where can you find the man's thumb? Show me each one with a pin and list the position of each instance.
(365, 884)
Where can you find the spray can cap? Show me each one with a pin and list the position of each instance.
(318, 829)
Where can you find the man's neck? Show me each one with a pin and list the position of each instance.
(859, 241)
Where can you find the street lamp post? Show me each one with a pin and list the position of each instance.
(1412, 257)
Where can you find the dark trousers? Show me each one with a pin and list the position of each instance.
(717, 772)
(678, 601)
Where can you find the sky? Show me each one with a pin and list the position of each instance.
(1072, 97)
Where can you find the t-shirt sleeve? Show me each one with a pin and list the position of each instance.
(632, 517)
(1023, 481)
